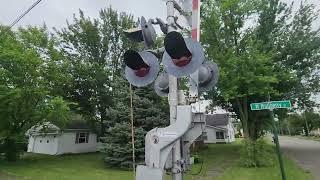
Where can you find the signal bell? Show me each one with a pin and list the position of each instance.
(208, 76)
(161, 85)
(141, 68)
(145, 32)
(182, 56)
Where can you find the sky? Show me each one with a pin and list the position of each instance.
(55, 12)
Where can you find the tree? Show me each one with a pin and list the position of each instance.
(92, 52)
(258, 61)
(149, 111)
(304, 122)
(24, 99)
(93, 48)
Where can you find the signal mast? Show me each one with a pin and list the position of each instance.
(168, 149)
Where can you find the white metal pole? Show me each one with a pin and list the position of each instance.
(173, 101)
(195, 34)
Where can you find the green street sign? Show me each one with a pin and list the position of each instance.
(270, 105)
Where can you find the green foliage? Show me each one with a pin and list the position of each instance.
(44, 76)
(118, 146)
(197, 159)
(149, 111)
(256, 153)
(297, 123)
(92, 53)
(278, 56)
(58, 111)
(25, 99)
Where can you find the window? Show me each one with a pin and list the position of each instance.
(82, 137)
(220, 135)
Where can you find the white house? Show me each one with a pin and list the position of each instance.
(47, 138)
(219, 129)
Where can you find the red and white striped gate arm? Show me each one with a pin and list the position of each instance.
(195, 32)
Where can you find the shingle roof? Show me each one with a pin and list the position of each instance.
(47, 127)
(77, 124)
(217, 119)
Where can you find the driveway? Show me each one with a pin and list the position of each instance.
(305, 152)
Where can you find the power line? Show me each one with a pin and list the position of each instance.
(25, 13)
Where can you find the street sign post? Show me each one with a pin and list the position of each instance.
(270, 105)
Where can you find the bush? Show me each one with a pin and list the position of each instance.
(256, 154)
(197, 159)
(11, 148)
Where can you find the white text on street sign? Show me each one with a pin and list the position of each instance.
(270, 105)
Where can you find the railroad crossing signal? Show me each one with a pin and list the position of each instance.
(181, 57)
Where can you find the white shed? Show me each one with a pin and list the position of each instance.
(47, 138)
(219, 129)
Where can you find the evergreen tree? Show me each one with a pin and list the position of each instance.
(149, 111)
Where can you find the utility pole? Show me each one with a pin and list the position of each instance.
(306, 122)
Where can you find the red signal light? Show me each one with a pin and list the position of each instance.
(183, 61)
(142, 72)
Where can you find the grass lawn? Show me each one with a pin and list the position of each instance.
(271, 173)
(67, 167)
(220, 162)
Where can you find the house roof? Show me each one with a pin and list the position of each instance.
(217, 119)
(47, 127)
(44, 127)
(217, 128)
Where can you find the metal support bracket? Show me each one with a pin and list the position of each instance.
(159, 143)
(198, 126)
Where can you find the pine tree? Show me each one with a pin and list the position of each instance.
(149, 111)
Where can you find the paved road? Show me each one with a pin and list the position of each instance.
(305, 152)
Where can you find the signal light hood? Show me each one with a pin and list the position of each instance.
(141, 68)
(182, 56)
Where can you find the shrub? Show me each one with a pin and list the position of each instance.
(12, 148)
(256, 154)
(197, 159)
